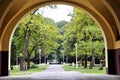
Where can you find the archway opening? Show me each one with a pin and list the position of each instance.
(82, 37)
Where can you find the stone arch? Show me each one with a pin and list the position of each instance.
(96, 8)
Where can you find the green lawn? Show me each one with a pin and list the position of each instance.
(83, 70)
(16, 71)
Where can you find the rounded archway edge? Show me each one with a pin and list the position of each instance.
(10, 26)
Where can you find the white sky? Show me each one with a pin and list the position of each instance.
(58, 14)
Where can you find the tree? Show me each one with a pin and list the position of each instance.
(86, 33)
(33, 32)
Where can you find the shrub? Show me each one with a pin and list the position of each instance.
(34, 66)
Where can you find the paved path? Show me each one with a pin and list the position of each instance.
(56, 72)
(54, 68)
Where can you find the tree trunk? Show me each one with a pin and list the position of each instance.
(27, 37)
(12, 64)
(28, 63)
(82, 61)
(28, 59)
(22, 64)
(44, 58)
(102, 61)
(101, 65)
(92, 59)
(85, 65)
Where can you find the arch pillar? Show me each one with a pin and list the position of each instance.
(114, 59)
(4, 63)
(4, 54)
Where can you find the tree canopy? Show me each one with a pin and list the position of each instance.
(36, 32)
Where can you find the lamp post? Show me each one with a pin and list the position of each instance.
(76, 54)
(40, 56)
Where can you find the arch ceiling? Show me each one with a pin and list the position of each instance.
(105, 12)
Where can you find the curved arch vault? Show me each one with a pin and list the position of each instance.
(105, 12)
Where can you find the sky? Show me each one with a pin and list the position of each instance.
(58, 14)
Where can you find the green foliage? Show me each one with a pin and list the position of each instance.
(43, 34)
(85, 32)
(61, 24)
